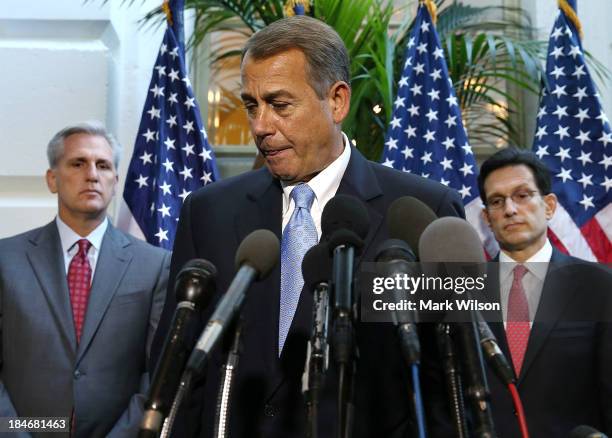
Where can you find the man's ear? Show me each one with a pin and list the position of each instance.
(550, 201)
(339, 98)
(485, 216)
(116, 184)
(51, 180)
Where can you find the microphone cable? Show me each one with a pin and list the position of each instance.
(418, 400)
(520, 412)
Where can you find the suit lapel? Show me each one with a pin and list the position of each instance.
(359, 181)
(553, 302)
(112, 263)
(47, 260)
(263, 210)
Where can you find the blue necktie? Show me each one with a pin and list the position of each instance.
(299, 235)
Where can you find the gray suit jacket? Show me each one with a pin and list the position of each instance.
(42, 370)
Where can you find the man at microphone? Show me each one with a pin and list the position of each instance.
(556, 309)
(79, 302)
(296, 90)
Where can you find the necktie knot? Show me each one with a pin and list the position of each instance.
(84, 246)
(303, 196)
(519, 272)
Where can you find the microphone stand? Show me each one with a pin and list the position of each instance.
(317, 358)
(453, 380)
(477, 389)
(226, 385)
(343, 339)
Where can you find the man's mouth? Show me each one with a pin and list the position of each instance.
(513, 225)
(273, 152)
(90, 192)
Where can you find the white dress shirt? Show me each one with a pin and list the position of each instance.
(324, 185)
(533, 281)
(69, 239)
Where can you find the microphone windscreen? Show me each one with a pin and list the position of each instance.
(586, 432)
(196, 282)
(451, 239)
(407, 218)
(260, 250)
(348, 212)
(317, 266)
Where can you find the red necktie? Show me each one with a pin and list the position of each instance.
(517, 324)
(79, 280)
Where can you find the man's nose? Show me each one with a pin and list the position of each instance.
(262, 123)
(92, 172)
(509, 206)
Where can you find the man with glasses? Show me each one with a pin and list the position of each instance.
(555, 309)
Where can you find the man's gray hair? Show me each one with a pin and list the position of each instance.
(55, 148)
(326, 55)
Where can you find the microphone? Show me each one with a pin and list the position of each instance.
(586, 432)
(407, 218)
(455, 240)
(345, 223)
(492, 353)
(451, 239)
(398, 258)
(194, 287)
(256, 257)
(317, 272)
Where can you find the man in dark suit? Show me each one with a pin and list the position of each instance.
(295, 87)
(80, 301)
(556, 309)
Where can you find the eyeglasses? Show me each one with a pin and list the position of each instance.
(520, 197)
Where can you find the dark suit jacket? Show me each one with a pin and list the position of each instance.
(43, 371)
(566, 377)
(267, 399)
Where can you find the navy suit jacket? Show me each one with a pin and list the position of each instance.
(267, 395)
(566, 377)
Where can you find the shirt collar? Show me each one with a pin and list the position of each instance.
(69, 237)
(325, 183)
(537, 264)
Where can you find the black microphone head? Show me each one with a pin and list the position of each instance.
(586, 432)
(407, 218)
(345, 212)
(317, 266)
(260, 250)
(394, 249)
(196, 282)
(451, 239)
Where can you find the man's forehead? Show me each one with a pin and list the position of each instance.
(509, 177)
(86, 145)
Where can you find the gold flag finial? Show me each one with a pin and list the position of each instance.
(296, 7)
(433, 10)
(571, 16)
(166, 8)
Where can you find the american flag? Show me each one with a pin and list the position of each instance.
(171, 156)
(426, 135)
(573, 138)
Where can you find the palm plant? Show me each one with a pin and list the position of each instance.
(484, 55)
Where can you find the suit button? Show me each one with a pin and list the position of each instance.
(77, 374)
(269, 411)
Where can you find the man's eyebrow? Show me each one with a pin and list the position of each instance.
(519, 187)
(269, 96)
